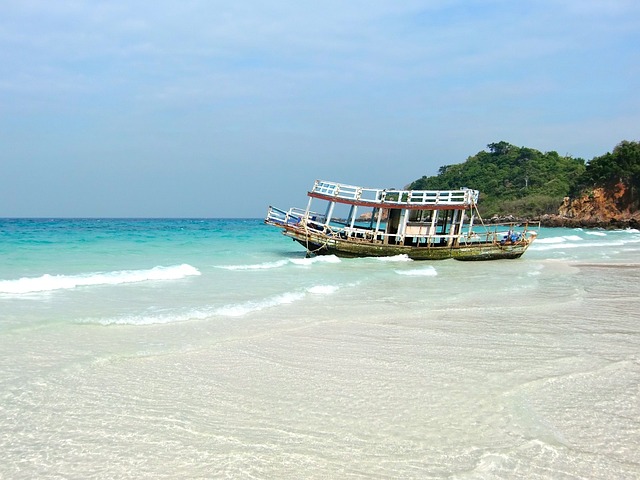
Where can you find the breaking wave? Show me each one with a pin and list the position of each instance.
(150, 318)
(323, 289)
(419, 272)
(48, 283)
(282, 263)
(313, 260)
(558, 245)
(396, 258)
(232, 310)
(555, 240)
(257, 266)
(241, 309)
(591, 239)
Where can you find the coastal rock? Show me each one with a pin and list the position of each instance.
(610, 208)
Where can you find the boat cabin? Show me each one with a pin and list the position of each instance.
(387, 216)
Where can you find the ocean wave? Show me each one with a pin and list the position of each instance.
(583, 244)
(241, 309)
(281, 263)
(319, 259)
(563, 239)
(48, 283)
(395, 258)
(323, 289)
(257, 266)
(148, 319)
(231, 310)
(419, 272)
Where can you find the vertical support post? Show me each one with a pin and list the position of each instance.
(306, 213)
(453, 229)
(402, 227)
(352, 215)
(471, 220)
(375, 234)
(461, 226)
(329, 212)
(444, 229)
(432, 227)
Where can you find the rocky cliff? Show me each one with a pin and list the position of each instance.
(613, 207)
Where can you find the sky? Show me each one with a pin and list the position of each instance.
(208, 108)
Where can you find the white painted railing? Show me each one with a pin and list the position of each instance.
(462, 197)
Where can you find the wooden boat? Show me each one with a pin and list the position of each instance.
(421, 224)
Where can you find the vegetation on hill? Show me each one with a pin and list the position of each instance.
(525, 182)
(620, 167)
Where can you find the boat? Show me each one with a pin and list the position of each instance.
(420, 224)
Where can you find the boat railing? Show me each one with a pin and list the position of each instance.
(340, 191)
(294, 216)
(275, 216)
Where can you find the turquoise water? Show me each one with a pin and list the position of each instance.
(214, 349)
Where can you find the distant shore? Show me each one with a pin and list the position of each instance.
(570, 222)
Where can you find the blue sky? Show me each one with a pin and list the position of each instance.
(217, 109)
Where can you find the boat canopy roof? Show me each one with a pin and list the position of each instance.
(392, 198)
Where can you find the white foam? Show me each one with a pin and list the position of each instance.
(232, 310)
(395, 258)
(238, 310)
(419, 272)
(323, 289)
(281, 263)
(597, 234)
(550, 240)
(559, 246)
(258, 266)
(563, 239)
(318, 259)
(47, 283)
(151, 318)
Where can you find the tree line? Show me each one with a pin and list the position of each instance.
(525, 182)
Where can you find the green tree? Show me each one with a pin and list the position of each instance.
(620, 166)
(506, 174)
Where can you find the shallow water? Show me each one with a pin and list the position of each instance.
(215, 349)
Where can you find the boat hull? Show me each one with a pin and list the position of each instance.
(321, 244)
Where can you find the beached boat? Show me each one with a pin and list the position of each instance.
(422, 224)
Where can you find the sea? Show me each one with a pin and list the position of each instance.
(214, 348)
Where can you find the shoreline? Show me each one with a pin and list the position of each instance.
(558, 221)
